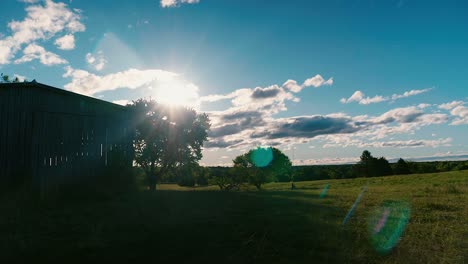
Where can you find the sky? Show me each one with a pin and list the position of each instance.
(320, 80)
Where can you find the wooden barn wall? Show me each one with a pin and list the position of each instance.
(51, 138)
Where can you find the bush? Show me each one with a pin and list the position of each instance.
(226, 179)
(186, 180)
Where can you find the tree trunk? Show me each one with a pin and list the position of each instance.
(153, 179)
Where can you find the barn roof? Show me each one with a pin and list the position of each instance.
(51, 89)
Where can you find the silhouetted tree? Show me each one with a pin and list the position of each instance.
(383, 167)
(279, 167)
(401, 167)
(192, 175)
(6, 79)
(370, 166)
(226, 178)
(365, 167)
(167, 138)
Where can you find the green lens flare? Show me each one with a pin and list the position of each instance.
(324, 191)
(262, 156)
(386, 225)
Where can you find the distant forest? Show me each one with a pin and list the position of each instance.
(233, 177)
(374, 168)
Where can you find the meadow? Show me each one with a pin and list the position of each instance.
(275, 225)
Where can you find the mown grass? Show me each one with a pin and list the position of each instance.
(275, 225)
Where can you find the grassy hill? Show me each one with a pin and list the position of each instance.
(276, 225)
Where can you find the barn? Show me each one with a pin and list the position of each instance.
(50, 137)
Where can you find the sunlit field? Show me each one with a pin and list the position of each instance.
(275, 225)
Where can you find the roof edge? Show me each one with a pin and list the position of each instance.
(59, 90)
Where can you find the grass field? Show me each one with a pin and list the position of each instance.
(276, 225)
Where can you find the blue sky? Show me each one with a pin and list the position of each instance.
(321, 80)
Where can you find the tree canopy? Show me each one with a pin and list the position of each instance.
(370, 166)
(4, 78)
(167, 138)
(247, 165)
(401, 167)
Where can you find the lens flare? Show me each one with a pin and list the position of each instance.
(262, 156)
(382, 220)
(386, 225)
(324, 191)
(351, 211)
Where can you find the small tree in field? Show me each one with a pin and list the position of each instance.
(246, 166)
(167, 139)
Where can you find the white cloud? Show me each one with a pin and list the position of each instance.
(217, 97)
(461, 112)
(356, 97)
(422, 106)
(121, 102)
(34, 51)
(401, 115)
(360, 98)
(87, 83)
(247, 96)
(7, 48)
(250, 121)
(399, 121)
(247, 124)
(96, 61)
(292, 86)
(409, 114)
(29, 1)
(21, 78)
(90, 59)
(317, 81)
(451, 105)
(325, 161)
(175, 3)
(251, 106)
(373, 100)
(413, 143)
(344, 141)
(458, 110)
(410, 93)
(43, 21)
(163, 86)
(66, 42)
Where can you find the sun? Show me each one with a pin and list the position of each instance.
(177, 93)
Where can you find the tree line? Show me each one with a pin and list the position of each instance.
(368, 166)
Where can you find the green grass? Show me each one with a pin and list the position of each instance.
(275, 225)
